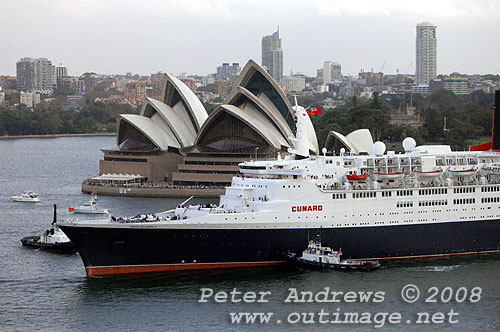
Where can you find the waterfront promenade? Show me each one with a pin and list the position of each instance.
(151, 190)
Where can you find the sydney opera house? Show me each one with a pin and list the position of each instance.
(175, 141)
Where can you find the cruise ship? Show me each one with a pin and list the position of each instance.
(427, 201)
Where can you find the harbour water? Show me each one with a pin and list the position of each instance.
(41, 291)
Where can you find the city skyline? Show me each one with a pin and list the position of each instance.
(196, 36)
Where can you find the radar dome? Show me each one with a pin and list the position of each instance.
(378, 148)
(342, 151)
(323, 150)
(409, 144)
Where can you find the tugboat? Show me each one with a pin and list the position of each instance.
(317, 257)
(27, 196)
(90, 207)
(52, 239)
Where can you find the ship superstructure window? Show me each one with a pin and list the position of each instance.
(465, 190)
(404, 204)
(339, 196)
(386, 193)
(464, 201)
(490, 199)
(434, 202)
(434, 191)
(368, 194)
(404, 193)
(490, 189)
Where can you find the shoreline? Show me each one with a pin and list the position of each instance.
(58, 135)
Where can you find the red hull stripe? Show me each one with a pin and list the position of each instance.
(431, 256)
(128, 269)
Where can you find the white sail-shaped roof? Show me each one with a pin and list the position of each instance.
(175, 93)
(251, 117)
(180, 126)
(149, 129)
(257, 80)
(359, 141)
(362, 140)
(265, 106)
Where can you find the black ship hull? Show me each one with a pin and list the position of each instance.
(116, 250)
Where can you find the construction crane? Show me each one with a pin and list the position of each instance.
(407, 71)
(382, 69)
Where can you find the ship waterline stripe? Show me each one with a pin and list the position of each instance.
(395, 258)
(93, 271)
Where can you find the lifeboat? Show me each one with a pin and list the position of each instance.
(462, 172)
(429, 174)
(357, 177)
(491, 169)
(389, 176)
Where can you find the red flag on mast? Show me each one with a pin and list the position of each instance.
(314, 110)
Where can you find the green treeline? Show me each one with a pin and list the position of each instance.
(94, 118)
(468, 118)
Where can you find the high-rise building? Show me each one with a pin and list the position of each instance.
(35, 74)
(27, 74)
(294, 83)
(272, 55)
(426, 68)
(61, 71)
(48, 79)
(332, 72)
(226, 70)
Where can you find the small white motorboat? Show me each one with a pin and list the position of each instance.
(27, 196)
(90, 207)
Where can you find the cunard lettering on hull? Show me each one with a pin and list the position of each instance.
(307, 208)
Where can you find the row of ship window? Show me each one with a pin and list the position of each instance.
(465, 190)
(366, 194)
(433, 203)
(490, 199)
(464, 201)
(445, 202)
(436, 191)
(490, 189)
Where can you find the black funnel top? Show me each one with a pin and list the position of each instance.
(55, 215)
(495, 142)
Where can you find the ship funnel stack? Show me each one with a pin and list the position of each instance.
(494, 144)
(301, 146)
(495, 130)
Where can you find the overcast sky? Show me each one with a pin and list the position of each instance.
(196, 36)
